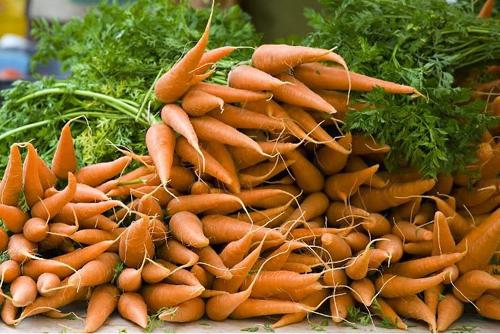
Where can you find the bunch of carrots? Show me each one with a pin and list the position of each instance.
(246, 206)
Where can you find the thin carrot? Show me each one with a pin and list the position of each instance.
(308, 177)
(33, 190)
(64, 160)
(487, 9)
(251, 308)
(177, 119)
(442, 240)
(222, 155)
(49, 207)
(236, 250)
(94, 175)
(343, 185)
(232, 95)
(204, 202)
(12, 181)
(175, 252)
(160, 140)
(73, 212)
(386, 313)
(211, 262)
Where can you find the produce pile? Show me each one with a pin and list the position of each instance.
(250, 202)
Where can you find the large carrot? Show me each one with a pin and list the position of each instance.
(136, 243)
(480, 244)
(413, 307)
(187, 311)
(471, 285)
(12, 181)
(188, 229)
(95, 272)
(177, 119)
(94, 175)
(209, 129)
(319, 76)
(450, 309)
(269, 283)
(300, 95)
(160, 141)
(13, 218)
(64, 160)
(102, 303)
(197, 102)
(251, 78)
(375, 200)
(232, 95)
(33, 190)
(49, 207)
(204, 202)
(131, 306)
(489, 306)
(176, 81)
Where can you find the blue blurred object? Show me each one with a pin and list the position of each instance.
(15, 59)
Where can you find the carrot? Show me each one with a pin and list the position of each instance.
(424, 266)
(270, 217)
(154, 272)
(221, 229)
(337, 248)
(472, 284)
(129, 280)
(268, 196)
(35, 229)
(160, 141)
(181, 276)
(357, 240)
(96, 272)
(12, 181)
(13, 218)
(46, 284)
(175, 252)
(23, 291)
(413, 307)
(410, 232)
(485, 207)
(222, 155)
(56, 235)
(203, 203)
(49, 207)
(65, 296)
(338, 212)
(212, 263)
(334, 277)
(356, 163)
(458, 225)
(311, 233)
(83, 194)
(149, 206)
(279, 257)
(94, 175)
(158, 231)
(162, 295)
(20, 249)
(343, 185)
(357, 268)
(33, 190)
(251, 308)
(442, 241)
(487, 9)
(246, 158)
(375, 200)
(176, 81)
(386, 313)
(480, 244)
(307, 176)
(408, 210)
(209, 129)
(236, 250)
(319, 76)
(251, 78)
(362, 145)
(232, 95)
(313, 301)
(256, 175)
(9, 313)
(489, 306)
(60, 265)
(187, 228)
(197, 102)
(393, 286)
(199, 187)
(73, 212)
(269, 283)
(102, 303)
(4, 240)
(425, 214)
(450, 309)
(376, 225)
(247, 119)
(309, 124)
(475, 196)
(131, 176)
(363, 291)
(298, 94)
(64, 160)
(431, 297)
(136, 243)
(340, 303)
(45, 174)
(202, 276)
(331, 161)
(187, 311)
(422, 248)
(211, 57)
(443, 185)
(177, 119)
(131, 306)
(157, 193)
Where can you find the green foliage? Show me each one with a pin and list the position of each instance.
(421, 44)
(319, 326)
(114, 54)
(357, 316)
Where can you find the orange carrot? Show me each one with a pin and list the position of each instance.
(357, 268)
(73, 212)
(187, 228)
(95, 272)
(442, 240)
(129, 280)
(246, 119)
(357, 240)
(236, 250)
(211, 57)
(203, 202)
(363, 291)
(489, 306)
(45, 174)
(450, 309)
(160, 140)
(313, 301)
(9, 271)
(362, 145)
(251, 308)
(307, 176)
(162, 295)
(386, 313)
(251, 78)
(231, 95)
(176, 81)
(331, 161)
(177, 119)
(319, 76)
(83, 194)
(102, 303)
(410, 232)
(222, 155)
(35, 229)
(13, 218)
(175, 252)
(131, 306)
(154, 272)
(49, 207)
(337, 248)
(471, 285)
(20, 249)
(187, 311)
(334, 277)
(46, 284)
(33, 190)
(64, 160)
(413, 307)
(136, 243)
(338, 213)
(4, 240)
(94, 175)
(487, 9)
(343, 185)
(340, 303)
(212, 263)
(458, 225)
(12, 181)
(23, 291)
(300, 95)
(197, 102)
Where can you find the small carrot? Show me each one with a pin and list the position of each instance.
(64, 160)
(386, 313)
(331, 161)
(47, 177)
(308, 177)
(252, 308)
(232, 95)
(236, 250)
(410, 232)
(131, 306)
(357, 268)
(251, 78)
(102, 303)
(20, 249)
(33, 190)
(154, 272)
(246, 119)
(337, 248)
(197, 102)
(9, 313)
(149, 206)
(177, 119)
(338, 212)
(203, 203)
(413, 307)
(188, 229)
(73, 212)
(487, 9)
(12, 181)
(422, 248)
(340, 303)
(450, 309)
(35, 229)
(49, 207)
(9, 271)
(94, 175)
(160, 141)
(13, 218)
(442, 240)
(223, 156)
(23, 291)
(136, 243)
(129, 280)
(162, 295)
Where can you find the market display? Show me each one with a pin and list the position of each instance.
(253, 200)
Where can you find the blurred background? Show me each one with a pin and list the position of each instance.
(16, 46)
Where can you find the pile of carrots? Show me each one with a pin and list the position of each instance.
(248, 205)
